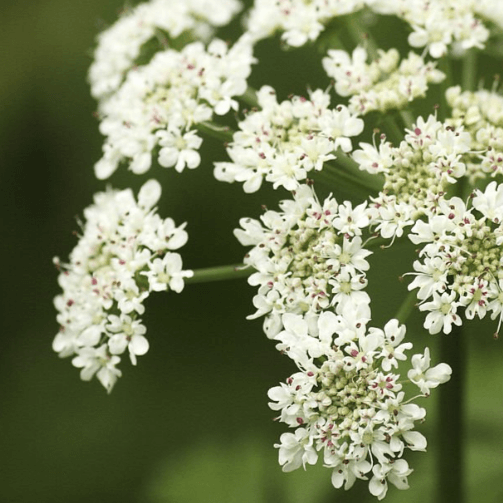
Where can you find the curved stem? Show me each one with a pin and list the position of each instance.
(250, 98)
(219, 273)
(407, 118)
(379, 242)
(361, 37)
(450, 430)
(446, 67)
(469, 70)
(338, 179)
(344, 163)
(392, 130)
(219, 132)
(337, 173)
(405, 310)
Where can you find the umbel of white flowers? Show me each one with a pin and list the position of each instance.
(124, 253)
(309, 260)
(346, 403)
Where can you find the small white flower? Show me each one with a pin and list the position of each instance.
(425, 377)
(296, 449)
(396, 473)
(393, 350)
(442, 313)
(128, 333)
(167, 272)
(179, 150)
(283, 142)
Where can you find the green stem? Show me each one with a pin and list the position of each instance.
(392, 130)
(405, 310)
(361, 37)
(219, 132)
(219, 273)
(469, 70)
(381, 243)
(330, 39)
(373, 182)
(407, 118)
(445, 66)
(450, 432)
(250, 98)
(372, 187)
(338, 181)
(450, 469)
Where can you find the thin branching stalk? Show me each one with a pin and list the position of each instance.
(469, 70)
(392, 130)
(219, 273)
(219, 132)
(338, 181)
(361, 37)
(250, 98)
(374, 182)
(405, 310)
(445, 65)
(407, 118)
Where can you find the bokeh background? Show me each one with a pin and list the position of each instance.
(190, 424)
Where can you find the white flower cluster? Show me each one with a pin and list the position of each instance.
(308, 257)
(382, 84)
(159, 104)
(346, 403)
(282, 142)
(124, 253)
(490, 10)
(480, 113)
(417, 172)
(120, 45)
(300, 21)
(438, 25)
(461, 261)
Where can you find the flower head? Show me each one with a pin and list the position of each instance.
(346, 405)
(122, 242)
(308, 256)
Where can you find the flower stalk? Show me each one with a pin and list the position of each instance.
(451, 440)
(219, 132)
(469, 70)
(219, 273)
(406, 308)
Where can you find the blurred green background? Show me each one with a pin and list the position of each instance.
(190, 424)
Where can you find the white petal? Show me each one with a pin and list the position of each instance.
(138, 345)
(149, 194)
